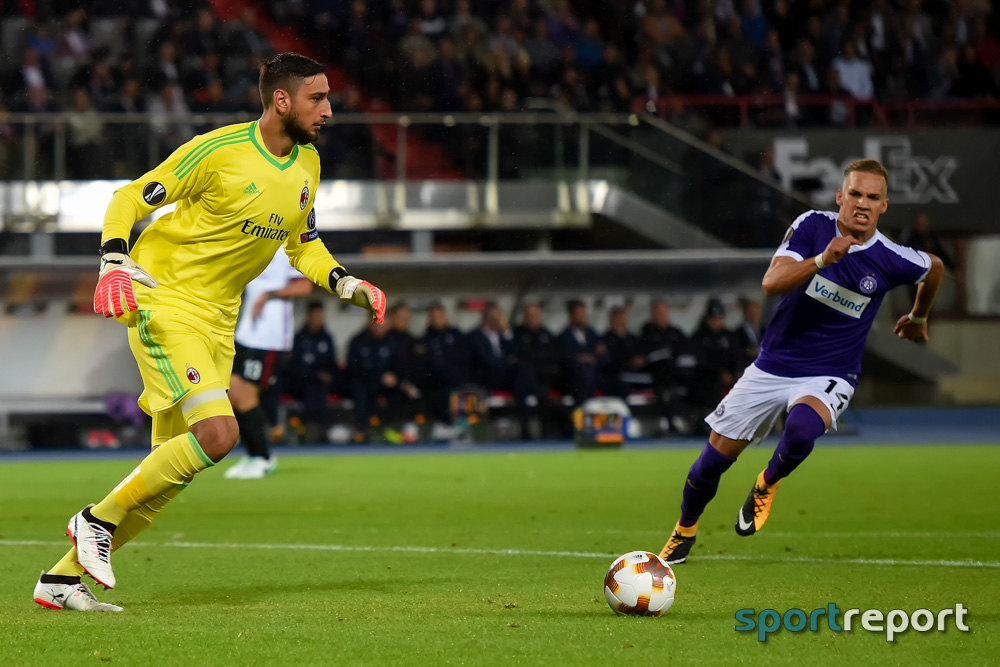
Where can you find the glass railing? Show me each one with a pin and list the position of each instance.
(667, 166)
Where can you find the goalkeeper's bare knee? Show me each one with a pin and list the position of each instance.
(216, 435)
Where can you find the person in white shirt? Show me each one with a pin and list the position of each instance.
(263, 337)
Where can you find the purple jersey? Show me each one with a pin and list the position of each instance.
(820, 327)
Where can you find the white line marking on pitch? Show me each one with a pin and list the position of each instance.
(874, 534)
(529, 552)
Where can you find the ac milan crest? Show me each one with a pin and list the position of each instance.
(193, 375)
(304, 198)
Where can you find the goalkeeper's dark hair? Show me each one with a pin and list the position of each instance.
(285, 71)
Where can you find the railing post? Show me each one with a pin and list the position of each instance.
(29, 149)
(400, 190)
(59, 152)
(493, 167)
(583, 174)
(152, 147)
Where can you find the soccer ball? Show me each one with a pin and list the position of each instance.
(640, 584)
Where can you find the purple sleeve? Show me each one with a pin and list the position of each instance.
(799, 239)
(909, 265)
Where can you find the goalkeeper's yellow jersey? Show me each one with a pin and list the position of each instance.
(236, 203)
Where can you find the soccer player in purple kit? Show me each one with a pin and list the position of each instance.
(832, 271)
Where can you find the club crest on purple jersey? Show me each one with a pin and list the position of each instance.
(868, 284)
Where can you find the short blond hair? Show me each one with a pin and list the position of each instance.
(868, 167)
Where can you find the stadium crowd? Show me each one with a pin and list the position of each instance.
(592, 55)
(392, 376)
(158, 56)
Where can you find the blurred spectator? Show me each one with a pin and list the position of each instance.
(811, 80)
(624, 350)
(404, 343)
(130, 152)
(348, 149)
(495, 366)
(169, 119)
(536, 348)
(563, 26)
(204, 39)
(32, 72)
(772, 61)
(717, 355)
(839, 111)
(39, 100)
(855, 73)
(543, 53)
(836, 25)
(373, 371)
(920, 236)
(165, 69)
(463, 19)
(433, 24)
(72, 44)
(589, 46)
(41, 40)
(448, 74)
(749, 333)
(85, 141)
(584, 355)
(781, 19)
(416, 47)
(97, 79)
(211, 100)
(755, 25)
(311, 374)
(944, 76)
(445, 358)
(197, 80)
(667, 354)
(245, 40)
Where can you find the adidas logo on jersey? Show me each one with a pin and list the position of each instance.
(251, 189)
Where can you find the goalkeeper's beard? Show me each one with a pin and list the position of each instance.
(294, 131)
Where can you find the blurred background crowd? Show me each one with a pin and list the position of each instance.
(392, 376)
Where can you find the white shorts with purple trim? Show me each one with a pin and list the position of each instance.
(757, 399)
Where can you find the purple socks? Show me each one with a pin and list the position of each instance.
(702, 483)
(802, 428)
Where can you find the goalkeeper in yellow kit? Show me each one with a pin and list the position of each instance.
(241, 191)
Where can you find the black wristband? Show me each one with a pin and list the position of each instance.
(336, 275)
(114, 245)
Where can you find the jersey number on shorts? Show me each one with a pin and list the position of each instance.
(843, 398)
(253, 369)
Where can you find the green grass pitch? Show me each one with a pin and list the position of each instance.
(499, 558)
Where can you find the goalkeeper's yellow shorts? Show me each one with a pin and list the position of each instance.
(184, 364)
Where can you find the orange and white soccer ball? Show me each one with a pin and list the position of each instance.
(640, 584)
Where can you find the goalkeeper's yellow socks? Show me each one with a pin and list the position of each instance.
(169, 466)
(67, 567)
(140, 518)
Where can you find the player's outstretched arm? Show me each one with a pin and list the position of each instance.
(787, 273)
(913, 325)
